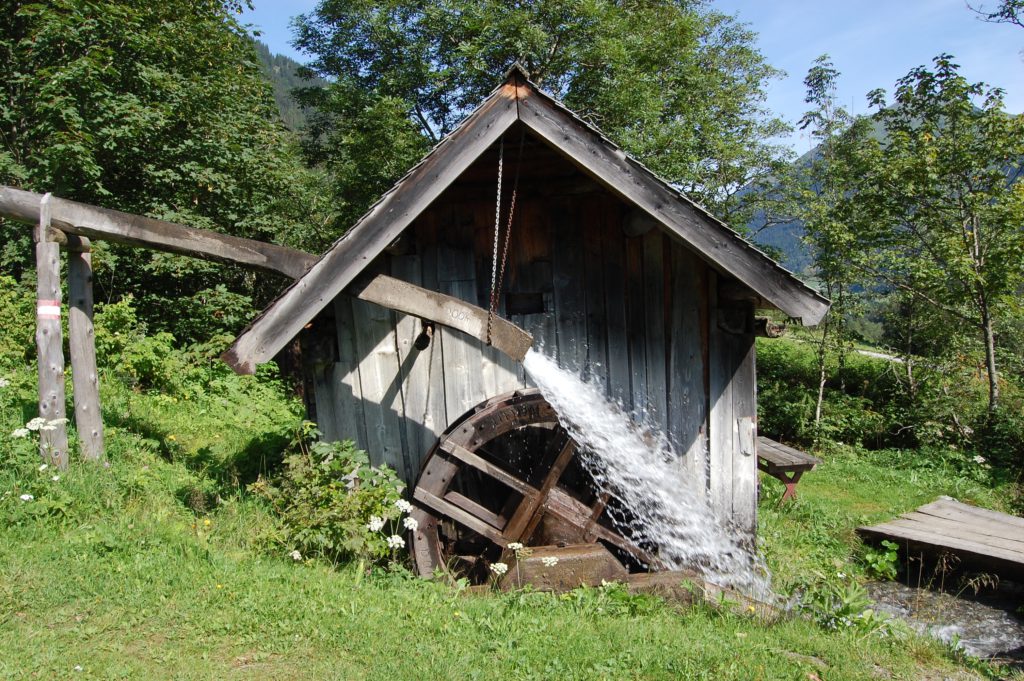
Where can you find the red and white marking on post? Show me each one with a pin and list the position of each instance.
(48, 309)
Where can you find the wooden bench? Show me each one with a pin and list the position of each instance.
(784, 463)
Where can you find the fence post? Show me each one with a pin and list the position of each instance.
(53, 435)
(82, 342)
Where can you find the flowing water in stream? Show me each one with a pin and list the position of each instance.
(640, 469)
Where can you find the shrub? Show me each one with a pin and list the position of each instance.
(332, 503)
(17, 322)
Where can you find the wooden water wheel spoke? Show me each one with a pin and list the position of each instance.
(447, 508)
(469, 458)
(577, 513)
(493, 519)
(595, 513)
(524, 520)
(507, 472)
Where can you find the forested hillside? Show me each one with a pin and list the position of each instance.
(283, 74)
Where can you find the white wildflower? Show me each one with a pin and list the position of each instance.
(26, 497)
(4, 383)
(499, 568)
(295, 555)
(979, 459)
(42, 467)
(376, 524)
(395, 542)
(36, 423)
(78, 667)
(410, 524)
(403, 506)
(515, 546)
(55, 478)
(549, 561)
(20, 432)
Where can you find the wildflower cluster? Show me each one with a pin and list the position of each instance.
(38, 424)
(394, 541)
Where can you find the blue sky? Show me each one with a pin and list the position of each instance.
(871, 42)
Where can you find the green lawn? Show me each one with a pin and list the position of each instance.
(159, 566)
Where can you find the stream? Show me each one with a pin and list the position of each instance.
(984, 625)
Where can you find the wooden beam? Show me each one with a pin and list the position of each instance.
(53, 436)
(84, 375)
(286, 316)
(446, 310)
(712, 240)
(450, 510)
(766, 328)
(471, 459)
(93, 222)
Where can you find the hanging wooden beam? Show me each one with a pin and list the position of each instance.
(84, 375)
(94, 222)
(53, 436)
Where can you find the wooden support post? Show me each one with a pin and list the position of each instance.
(53, 436)
(82, 342)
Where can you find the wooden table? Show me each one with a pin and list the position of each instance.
(784, 463)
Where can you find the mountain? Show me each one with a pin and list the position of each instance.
(282, 73)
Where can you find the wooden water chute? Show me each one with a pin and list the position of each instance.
(612, 271)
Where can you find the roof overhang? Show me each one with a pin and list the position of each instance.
(517, 99)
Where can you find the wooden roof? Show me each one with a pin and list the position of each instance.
(517, 99)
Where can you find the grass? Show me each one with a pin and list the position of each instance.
(161, 566)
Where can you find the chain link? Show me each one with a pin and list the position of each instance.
(497, 239)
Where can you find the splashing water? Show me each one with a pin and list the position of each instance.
(643, 472)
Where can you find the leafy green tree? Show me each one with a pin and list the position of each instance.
(935, 208)
(678, 85)
(1005, 12)
(818, 191)
(156, 108)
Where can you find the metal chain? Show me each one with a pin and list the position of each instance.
(496, 291)
(497, 239)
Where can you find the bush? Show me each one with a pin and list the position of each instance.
(17, 322)
(332, 503)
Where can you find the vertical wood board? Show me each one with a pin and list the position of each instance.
(687, 400)
(380, 385)
(348, 406)
(568, 284)
(721, 436)
(636, 323)
(654, 336)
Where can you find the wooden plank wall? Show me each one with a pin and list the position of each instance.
(635, 313)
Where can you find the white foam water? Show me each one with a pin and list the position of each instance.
(638, 466)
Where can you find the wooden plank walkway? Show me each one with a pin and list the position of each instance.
(987, 539)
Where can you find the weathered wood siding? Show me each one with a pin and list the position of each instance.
(639, 314)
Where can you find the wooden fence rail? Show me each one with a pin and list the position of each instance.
(60, 223)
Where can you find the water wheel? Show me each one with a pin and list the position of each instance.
(505, 472)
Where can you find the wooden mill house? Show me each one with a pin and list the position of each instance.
(614, 273)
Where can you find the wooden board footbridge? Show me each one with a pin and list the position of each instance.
(984, 539)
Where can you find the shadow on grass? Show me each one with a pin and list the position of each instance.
(262, 454)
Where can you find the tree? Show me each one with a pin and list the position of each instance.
(1006, 12)
(156, 108)
(819, 191)
(679, 86)
(935, 209)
